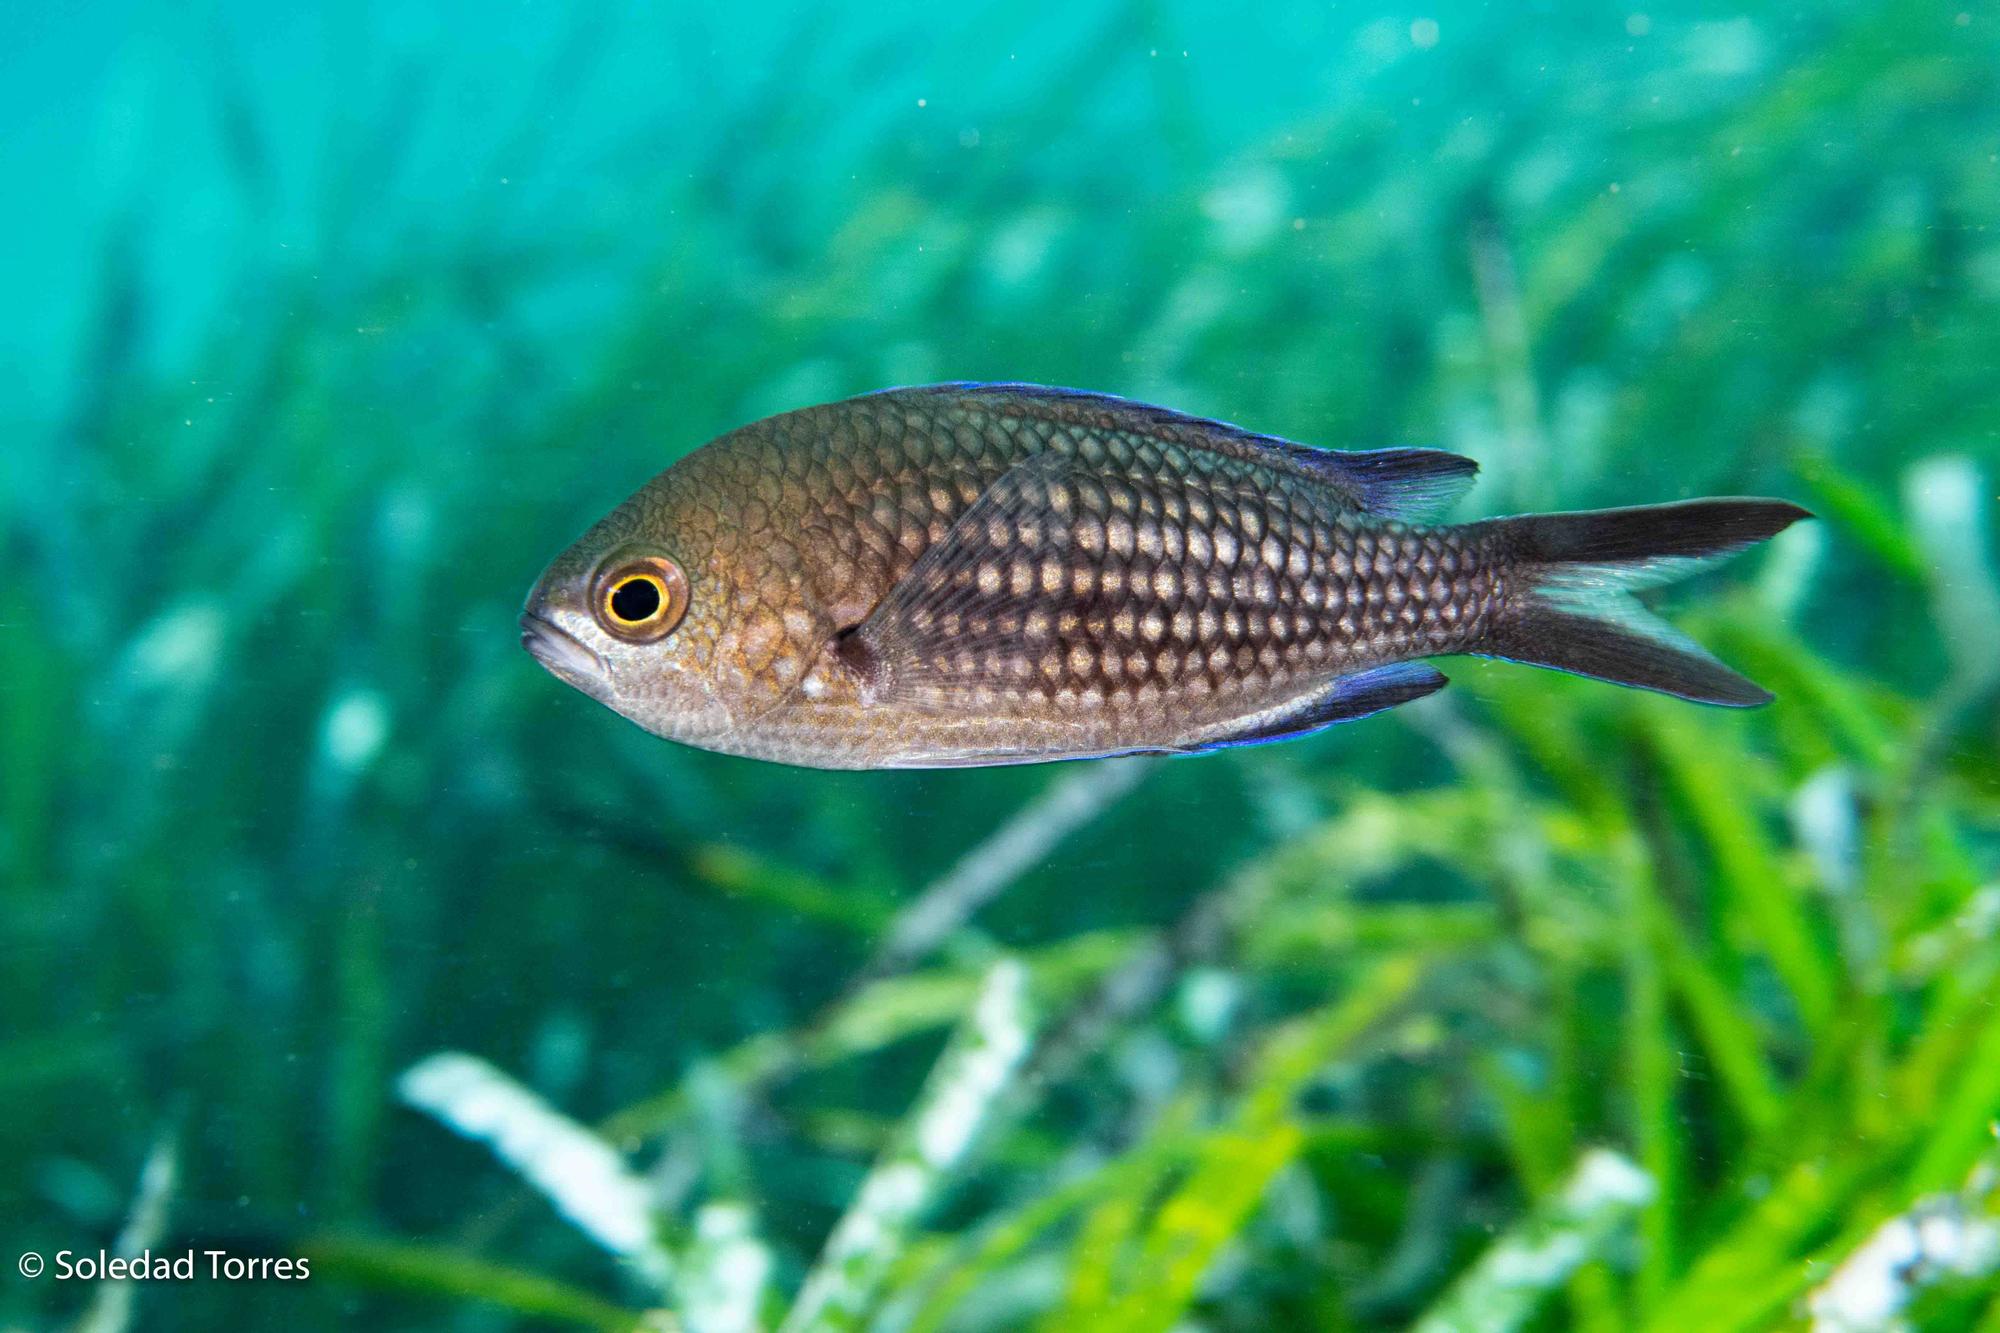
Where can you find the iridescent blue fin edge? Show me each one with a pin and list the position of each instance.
(1348, 698)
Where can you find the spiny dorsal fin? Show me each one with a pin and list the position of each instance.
(1388, 483)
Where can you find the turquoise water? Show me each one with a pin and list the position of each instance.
(338, 932)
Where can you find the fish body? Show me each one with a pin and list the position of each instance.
(980, 574)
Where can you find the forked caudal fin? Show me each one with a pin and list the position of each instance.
(1572, 577)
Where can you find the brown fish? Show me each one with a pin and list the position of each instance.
(1000, 573)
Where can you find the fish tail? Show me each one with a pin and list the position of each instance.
(1570, 580)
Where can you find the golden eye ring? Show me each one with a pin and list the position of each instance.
(641, 600)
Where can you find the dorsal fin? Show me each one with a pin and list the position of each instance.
(1388, 483)
(1398, 483)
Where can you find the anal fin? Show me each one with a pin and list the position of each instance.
(1344, 700)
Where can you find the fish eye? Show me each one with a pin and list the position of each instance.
(642, 600)
(636, 600)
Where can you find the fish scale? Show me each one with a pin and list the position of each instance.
(1271, 587)
(969, 574)
(1208, 615)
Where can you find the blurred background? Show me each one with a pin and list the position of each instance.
(334, 928)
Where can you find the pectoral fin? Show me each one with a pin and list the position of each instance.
(981, 601)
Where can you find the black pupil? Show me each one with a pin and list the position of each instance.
(635, 599)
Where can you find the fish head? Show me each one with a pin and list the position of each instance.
(637, 614)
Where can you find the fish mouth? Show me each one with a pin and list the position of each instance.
(563, 655)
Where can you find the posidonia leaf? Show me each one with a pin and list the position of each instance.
(434, 1270)
(1226, 1181)
(961, 1095)
(1765, 903)
(1508, 1283)
(582, 1175)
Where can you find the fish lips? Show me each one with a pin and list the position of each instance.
(564, 656)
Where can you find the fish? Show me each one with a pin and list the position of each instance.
(969, 574)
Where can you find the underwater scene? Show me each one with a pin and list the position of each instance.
(363, 969)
